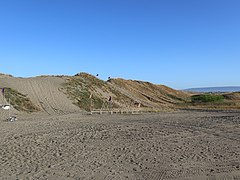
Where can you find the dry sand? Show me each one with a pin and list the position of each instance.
(181, 145)
(44, 92)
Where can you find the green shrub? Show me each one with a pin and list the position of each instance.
(205, 98)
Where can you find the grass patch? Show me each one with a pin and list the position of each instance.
(207, 98)
(19, 101)
(176, 98)
(90, 79)
(210, 102)
(79, 90)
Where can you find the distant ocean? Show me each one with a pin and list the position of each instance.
(215, 89)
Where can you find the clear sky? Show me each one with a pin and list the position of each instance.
(179, 43)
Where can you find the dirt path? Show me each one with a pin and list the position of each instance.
(183, 145)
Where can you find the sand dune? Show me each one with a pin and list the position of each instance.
(44, 92)
(70, 94)
(61, 142)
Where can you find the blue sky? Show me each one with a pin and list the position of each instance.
(179, 43)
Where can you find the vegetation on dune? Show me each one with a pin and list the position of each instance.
(212, 101)
(157, 94)
(174, 97)
(207, 98)
(90, 79)
(82, 86)
(88, 92)
(19, 101)
(79, 90)
(85, 102)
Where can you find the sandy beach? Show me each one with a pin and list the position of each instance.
(180, 145)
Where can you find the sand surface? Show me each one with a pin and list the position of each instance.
(181, 145)
(44, 92)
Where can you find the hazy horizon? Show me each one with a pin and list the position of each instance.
(181, 44)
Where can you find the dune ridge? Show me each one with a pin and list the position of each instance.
(71, 94)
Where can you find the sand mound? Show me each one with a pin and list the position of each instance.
(69, 94)
(149, 94)
(232, 96)
(44, 92)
